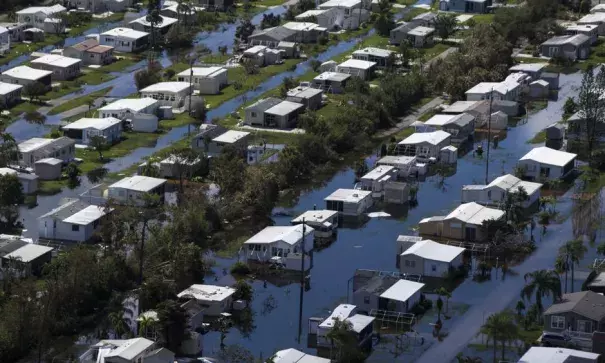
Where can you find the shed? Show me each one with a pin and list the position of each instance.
(31, 257)
(402, 296)
(539, 89)
(546, 163)
(349, 202)
(429, 258)
(448, 155)
(396, 192)
(497, 121)
(48, 169)
(555, 131)
(329, 66)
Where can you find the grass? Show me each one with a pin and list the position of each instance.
(483, 18)
(51, 187)
(77, 102)
(435, 50)
(268, 3)
(539, 138)
(427, 115)
(120, 64)
(414, 13)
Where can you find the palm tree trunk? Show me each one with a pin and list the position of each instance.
(503, 350)
(495, 351)
(572, 276)
(566, 271)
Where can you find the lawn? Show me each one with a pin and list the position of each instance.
(483, 18)
(51, 187)
(539, 138)
(91, 78)
(120, 64)
(435, 50)
(268, 3)
(77, 102)
(414, 13)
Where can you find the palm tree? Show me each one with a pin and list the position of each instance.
(442, 291)
(561, 268)
(146, 323)
(154, 19)
(500, 327)
(342, 337)
(541, 283)
(520, 307)
(118, 324)
(572, 252)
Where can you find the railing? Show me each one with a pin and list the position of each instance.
(578, 335)
(598, 264)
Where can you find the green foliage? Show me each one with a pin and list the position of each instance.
(99, 144)
(244, 30)
(148, 76)
(35, 117)
(9, 151)
(240, 268)
(172, 324)
(542, 283)
(243, 291)
(11, 195)
(34, 91)
(445, 24)
(570, 255)
(270, 20)
(315, 64)
(501, 328)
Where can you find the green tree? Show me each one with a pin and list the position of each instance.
(442, 291)
(99, 144)
(118, 324)
(154, 19)
(73, 175)
(439, 309)
(34, 117)
(11, 195)
(500, 327)
(172, 324)
(96, 175)
(592, 108)
(445, 24)
(146, 324)
(384, 23)
(34, 91)
(9, 149)
(572, 253)
(541, 283)
(244, 29)
(520, 308)
(243, 291)
(228, 171)
(199, 111)
(344, 343)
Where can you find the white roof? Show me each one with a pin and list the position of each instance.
(6, 88)
(133, 104)
(311, 13)
(378, 52)
(166, 21)
(304, 92)
(28, 73)
(207, 292)
(592, 18)
(3, 30)
(541, 82)
(86, 215)
(231, 136)
(473, 213)
(378, 172)
(339, 3)
(333, 76)
(127, 349)
(348, 195)
(598, 7)
(440, 120)
(255, 49)
(126, 33)
(357, 64)
(528, 67)
(173, 87)
(48, 10)
(33, 144)
(93, 123)
(484, 87)
(402, 290)
(209, 72)
(341, 312)
(49, 161)
(460, 106)
(292, 355)
(421, 31)
(287, 234)
(434, 251)
(395, 159)
(546, 155)
(29, 252)
(582, 27)
(315, 216)
(554, 355)
(359, 322)
(57, 60)
(139, 183)
(9, 171)
(300, 25)
(433, 138)
(508, 182)
(284, 108)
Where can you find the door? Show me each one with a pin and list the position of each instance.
(470, 233)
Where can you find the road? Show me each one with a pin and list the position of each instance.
(407, 120)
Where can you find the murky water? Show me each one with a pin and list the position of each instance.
(372, 246)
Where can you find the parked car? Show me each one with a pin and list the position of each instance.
(554, 340)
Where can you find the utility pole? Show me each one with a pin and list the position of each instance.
(302, 282)
(489, 135)
(190, 96)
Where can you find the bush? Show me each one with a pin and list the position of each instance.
(427, 304)
(570, 106)
(323, 40)
(240, 268)
(55, 133)
(418, 309)
(169, 73)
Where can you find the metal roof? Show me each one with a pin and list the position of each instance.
(57, 61)
(129, 349)
(348, 195)
(546, 155)
(304, 92)
(284, 108)
(66, 210)
(378, 172)
(139, 183)
(6, 88)
(557, 355)
(528, 67)
(93, 123)
(49, 161)
(174, 87)
(315, 216)
(37, 143)
(126, 33)
(332, 76)
(132, 104)
(292, 355)
(209, 72)
(87, 215)
(231, 136)
(397, 160)
(421, 31)
(402, 290)
(264, 104)
(28, 73)
(287, 234)
(473, 213)
(433, 138)
(207, 292)
(357, 64)
(434, 251)
(166, 21)
(377, 52)
(339, 4)
(29, 252)
(576, 40)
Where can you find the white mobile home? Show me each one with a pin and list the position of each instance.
(424, 145)
(387, 293)
(349, 202)
(132, 189)
(326, 18)
(376, 179)
(331, 82)
(460, 126)
(215, 299)
(10, 94)
(428, 258)
(308, 96)
(63, 68)
(74, 221)
(25, 75)
(357, 68)
(171, 94)
(83, 130)
(362, 325)
(42, 17)
(403, 164)
(546, 163)
(495, 192)
(143, 25)
(324, 222)
(280, 242)
(377, 55)
(597, 19)
(273, 112)
(208, 80)
(36, 149)
(125, 40)
(292, 355)
(122, 109)
(29, 182)
(231, 138)
(351, 13)
(421, 36)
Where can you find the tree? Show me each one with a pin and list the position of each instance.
(445, 24)
(244, 29)
(11, 195)
(118, 324)
(35, 117)
(592, 109)
(520, 308)
(147, 77)
(405, 52)
(243, 291)
(154, 19)
(442, 291)
(228, 171)
(199, 111)
(178, 37)
(572, 253)
(96, 175)
(172, 324)
(439, 309)
(186, 163)
(315, 64)
(73, 175)
(500, 327)
(343, 339)
(146, 323)
(34, 91)
(270, 20)
(9, 149)
(287, 84)
(99, 144)
(541, 283)
(570, 106)
(384, 23)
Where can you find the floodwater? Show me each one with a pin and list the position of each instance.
(372, 247)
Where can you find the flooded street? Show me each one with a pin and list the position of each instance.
(372, 247)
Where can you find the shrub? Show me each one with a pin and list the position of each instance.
(323, 40)
(240, 268)
(418, 309)
(427, 304)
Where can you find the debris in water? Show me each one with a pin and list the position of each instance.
(378, 215)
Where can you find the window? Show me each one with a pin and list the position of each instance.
(557, 322)
(253, 114)
(407, 263)
(489, 194)
(75, 228)
(366, 300)
(455, 225)
(434, 268)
